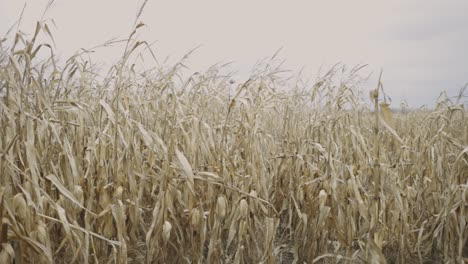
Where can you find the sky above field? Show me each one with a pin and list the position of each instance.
(420, 45)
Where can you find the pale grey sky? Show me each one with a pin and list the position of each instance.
(421, 45)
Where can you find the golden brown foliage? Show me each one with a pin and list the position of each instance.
(142, 167)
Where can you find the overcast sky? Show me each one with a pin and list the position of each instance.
(422, 46)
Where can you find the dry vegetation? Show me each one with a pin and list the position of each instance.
(145, 166)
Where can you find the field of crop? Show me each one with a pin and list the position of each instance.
(149, 166)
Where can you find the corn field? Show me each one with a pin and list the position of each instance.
(149, 166)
